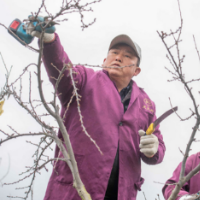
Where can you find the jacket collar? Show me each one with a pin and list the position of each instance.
(134, 92)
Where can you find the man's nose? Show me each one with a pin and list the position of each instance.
(118, 58)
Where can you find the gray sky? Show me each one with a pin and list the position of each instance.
(138, 19)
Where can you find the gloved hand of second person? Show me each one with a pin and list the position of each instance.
(148, 144)
(34, 29)
(190, 197)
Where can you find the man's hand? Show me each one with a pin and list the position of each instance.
(34, 29)
(148, 144)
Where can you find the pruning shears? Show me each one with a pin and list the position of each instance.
(18, 29)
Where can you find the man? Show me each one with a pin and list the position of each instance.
(114, 110)
(191, 189)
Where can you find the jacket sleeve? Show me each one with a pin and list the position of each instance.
(158, 157)
(169, 185)
(54, 54)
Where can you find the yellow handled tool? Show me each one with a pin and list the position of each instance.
(153, 125)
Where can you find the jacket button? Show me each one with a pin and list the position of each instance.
(120, 124)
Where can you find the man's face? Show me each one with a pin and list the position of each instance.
(121, 55)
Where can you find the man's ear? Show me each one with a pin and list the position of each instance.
(137, 71)
(103, 62)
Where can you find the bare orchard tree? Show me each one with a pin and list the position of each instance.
(49, 133)
(176, 60)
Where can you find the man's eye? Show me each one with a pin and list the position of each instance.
(127, 56)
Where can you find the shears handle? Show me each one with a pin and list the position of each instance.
(150, 129)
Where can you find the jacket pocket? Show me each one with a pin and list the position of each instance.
(63, 172)
(139, 183)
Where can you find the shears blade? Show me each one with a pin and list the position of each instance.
(153, 125)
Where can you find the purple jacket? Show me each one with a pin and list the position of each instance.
(108, 125)
(190, 187)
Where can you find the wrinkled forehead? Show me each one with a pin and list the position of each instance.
(125, 47)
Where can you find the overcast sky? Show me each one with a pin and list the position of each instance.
(138, 19)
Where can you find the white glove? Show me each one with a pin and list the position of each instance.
(47, 38)
(148, 144)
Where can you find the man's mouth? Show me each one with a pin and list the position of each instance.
(116, 65)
